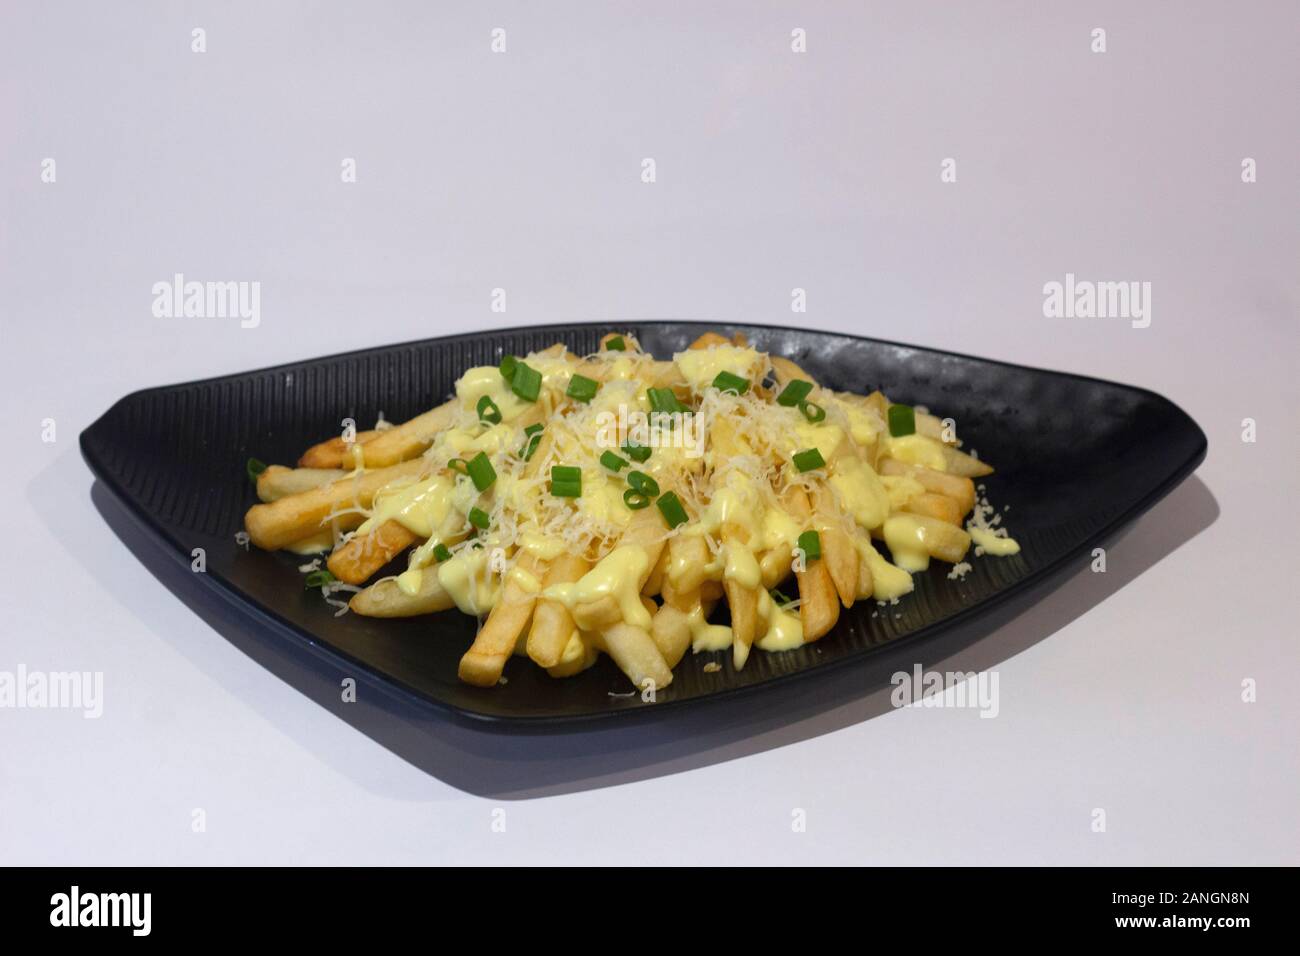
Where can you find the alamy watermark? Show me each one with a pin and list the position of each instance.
(681, 430)
(1085, 299)
(922, 688)
(177, 299)
(53, 690)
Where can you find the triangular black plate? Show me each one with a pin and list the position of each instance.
(1077, 458)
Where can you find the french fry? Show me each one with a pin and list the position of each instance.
(579, 653)
(385, 599)
(363, 555)
(409, 439)
(482, 664)
(960, 489)
(743, 602)
(689, 553)
(671, 630)
(819, 606)
(787, 371)
(936, 506)
(313, 544)
(552, 623)
(654, 584)
(278, 482)
(960, 463)
(838, 551)
(333, 453)
(709, 340)
(279, 523)
(637, 656)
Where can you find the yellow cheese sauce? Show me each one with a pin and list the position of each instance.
(860, 493)
(422, 507)
(906, 539)
(917, 450)
(991, 543)
(706, 636)
(619, 574)
(488, 380)
(741, 566)
(468, 580)
(887, 580)
(701, 366)
(825, 437)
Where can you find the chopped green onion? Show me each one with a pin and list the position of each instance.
(794, 393)
(566, 481)
(812, 411)
(481, 472)
(612, 461)
(636, 452)
(478, 518)
(902, 420)
(440, 552)
(318, 579)
(581, 388)
(670, 506)
(640, 481)
(507, 367)
(810, 543)
(533, 429)
(616, 344)
(526, 382)
(458, 465)
(255, 468)
(726, 382)
(488, 411)
(779, 598)
(635, 500)
(809, 459)
(663, 400)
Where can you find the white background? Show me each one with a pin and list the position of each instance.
(775, 170)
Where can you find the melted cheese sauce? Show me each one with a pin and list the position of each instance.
(701, 366)
(991, 543)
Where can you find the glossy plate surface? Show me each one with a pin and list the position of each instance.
(1077, 458)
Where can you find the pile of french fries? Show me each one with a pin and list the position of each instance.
(640, 587)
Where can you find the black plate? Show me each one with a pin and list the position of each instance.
(1077, 458)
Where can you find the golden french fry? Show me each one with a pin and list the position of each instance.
(671, 630)
(279, 482)
(385, 599)
(482, 664)
(838, 550)
(935, 506)
(958, 488)
(313, 544)
(654, 584)
(363, 555)
(931, 426)
(294, 517)
(637, 656)
(687, 556)
(333, 453)
(709, 340)
(960, 463)
(819, 606)
(787, 371)
(553, 625)
(579, 653)
(409, 439)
